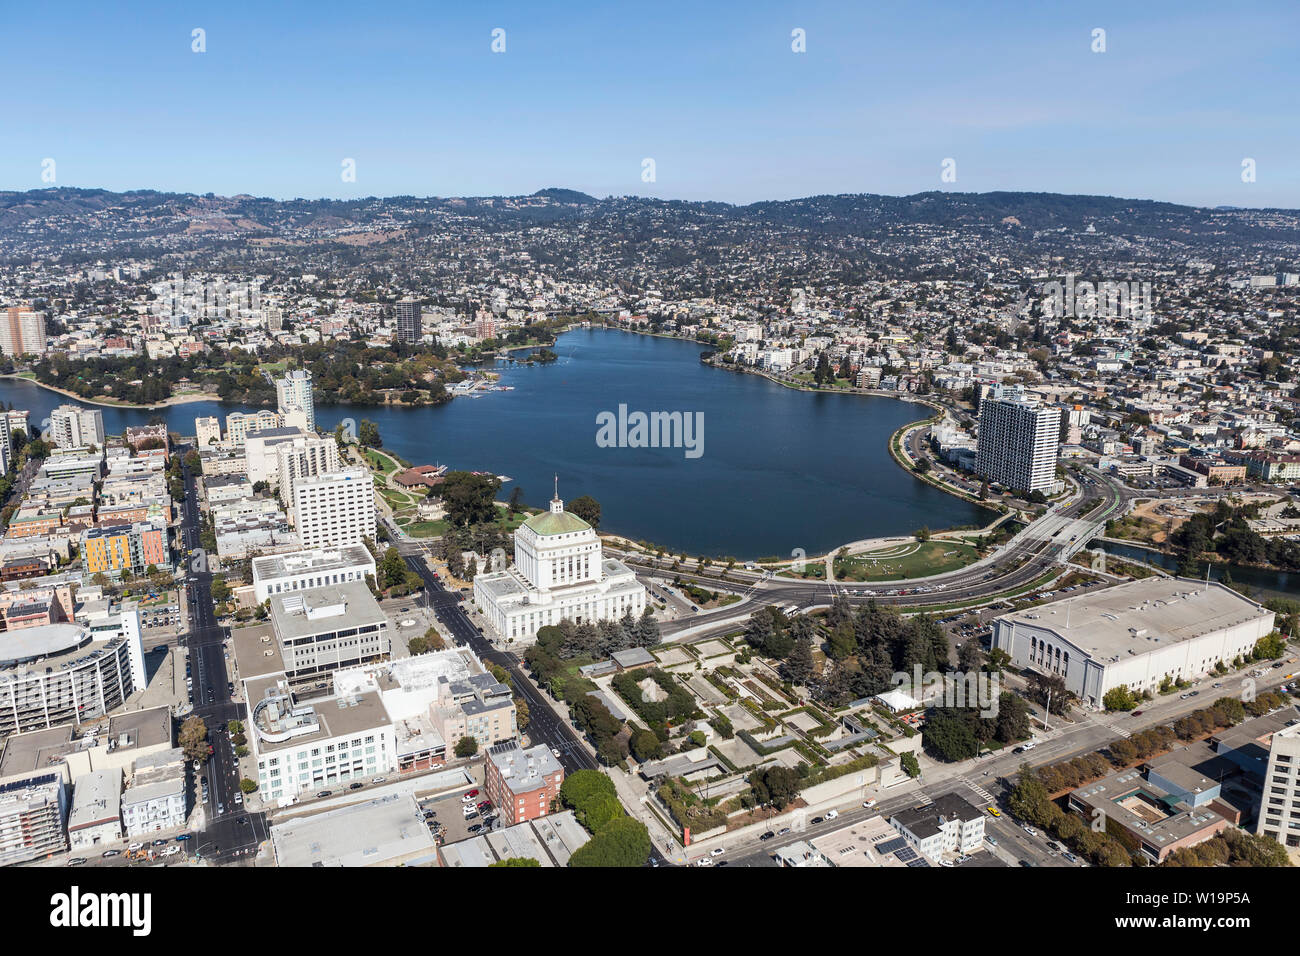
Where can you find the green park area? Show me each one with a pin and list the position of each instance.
(915, 559)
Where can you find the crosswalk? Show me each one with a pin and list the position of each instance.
(979, 791)
(1115, 728)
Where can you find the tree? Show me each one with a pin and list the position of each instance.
(516, 500)
(1119, 698)
(368, 434)
(392, 569)
(220, 590)
(922, 533)
(193, 738)
(775, 786)
(468, 498)
(646, 745)
(587, 508)
(799, 665)
(516, 861)
(247, 785)
(466, 747)
(623, 842)
(910, 765)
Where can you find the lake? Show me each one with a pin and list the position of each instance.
(777, 469)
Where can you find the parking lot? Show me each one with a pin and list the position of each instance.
(446, 817)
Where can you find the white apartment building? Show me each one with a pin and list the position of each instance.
(239, 425)
(304, 458)
(1017, 442)
(72, 426)
(294, 400)
(335, 509)
(947, 826)
(261, 452)
(22, 331)
(207, 431)
(1279, 808)
(318, 568)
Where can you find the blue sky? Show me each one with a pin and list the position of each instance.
(711, 91)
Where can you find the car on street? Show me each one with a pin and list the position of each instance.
(832, 814)
(716, 851)
(183, 837)
(323, 794)
(704, 861)
(159, 843)
(555, 751)
(783, 831)
(1137, 713)
(1069, 857)
(107, 853)
(76, 861)
(135, 846)
(1028, 829)
(356, 786)
(995, 811)
(767, 836)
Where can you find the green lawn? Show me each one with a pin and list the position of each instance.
(898, 563)
(383, 462)
(426, 529)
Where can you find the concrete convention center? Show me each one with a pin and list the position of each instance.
(1136, 634)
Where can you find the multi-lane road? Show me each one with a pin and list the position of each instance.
(232, 833)
(1029, 556)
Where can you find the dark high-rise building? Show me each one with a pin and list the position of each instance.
(408, 321)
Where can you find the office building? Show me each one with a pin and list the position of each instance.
(22, 331)
(407, 314)
(335, 509)
(1139, 634)
(1017, 442)
(303, 570)
(72, 426)
(1164, 806)
(324, 629)
(294, 400)
(301, 745)
(522, 784)
(385, 831)
(1279, 811)
(559, 572)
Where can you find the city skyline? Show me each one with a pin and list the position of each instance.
(277, 102)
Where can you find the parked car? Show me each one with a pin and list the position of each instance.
(356, 786)
(108, 853)
(704, 861)
(767, 836)
(716, 851)
(322, 794)
(76, 861)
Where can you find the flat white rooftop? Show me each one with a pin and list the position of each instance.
(1149, 614)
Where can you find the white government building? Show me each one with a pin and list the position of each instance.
(1135, 634)
(559, 572)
